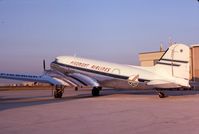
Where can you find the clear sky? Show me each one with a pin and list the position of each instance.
(111, 30)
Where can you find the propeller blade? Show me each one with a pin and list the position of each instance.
(44, 65)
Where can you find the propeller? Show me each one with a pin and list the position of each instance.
(44, 65)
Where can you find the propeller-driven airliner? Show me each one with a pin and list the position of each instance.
(171, 71)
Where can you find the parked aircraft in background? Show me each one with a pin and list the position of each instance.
(171, 71)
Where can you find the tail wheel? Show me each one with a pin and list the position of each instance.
(161, 95)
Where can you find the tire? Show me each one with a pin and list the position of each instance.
(161, 95)
(58, 94)
(95, 92)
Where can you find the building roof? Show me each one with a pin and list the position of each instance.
(195, 45)
(152, 52)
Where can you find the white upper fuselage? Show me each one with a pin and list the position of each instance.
(102, 67)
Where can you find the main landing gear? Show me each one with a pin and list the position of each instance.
(96, 91)
(58, 91)
(161, 94)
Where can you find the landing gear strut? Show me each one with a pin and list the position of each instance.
(58, 92)
(96, 91)
(161, 95)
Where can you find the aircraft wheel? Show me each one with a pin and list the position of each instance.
(96, 91)
(161, 95)
(76, 88)
(58, 94)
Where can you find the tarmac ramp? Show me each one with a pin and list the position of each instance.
(115, 112)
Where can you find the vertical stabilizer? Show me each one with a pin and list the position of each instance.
(175, 61)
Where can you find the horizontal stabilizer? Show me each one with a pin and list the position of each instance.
(162, 84)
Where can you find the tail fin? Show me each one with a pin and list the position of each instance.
(175, 61)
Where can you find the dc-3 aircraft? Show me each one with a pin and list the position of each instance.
(171, 71)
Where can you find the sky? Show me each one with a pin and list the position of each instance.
(110, 30)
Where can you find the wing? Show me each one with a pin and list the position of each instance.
(55, 78)
(32, 78)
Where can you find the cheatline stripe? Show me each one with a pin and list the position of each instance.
(98, 72)
(168, 64)
(180, 61)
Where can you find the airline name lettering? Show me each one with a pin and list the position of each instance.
(94, 67)
(79, 64)
(101, 68)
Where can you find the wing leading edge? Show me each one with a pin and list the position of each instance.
(72, 79)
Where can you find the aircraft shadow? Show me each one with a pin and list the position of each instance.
(149, 92)
(17, 102)
(11, 103)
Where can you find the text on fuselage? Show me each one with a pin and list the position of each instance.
(91, 66)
